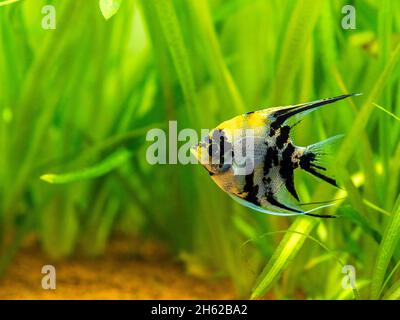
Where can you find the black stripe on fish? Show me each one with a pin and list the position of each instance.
(251, 189)
(286, 170)
(225, 146)
(212, 149)
(283, 136)
(221, 151)
(271, 199)
(272, 131)
(271, 158)
(221, 144)
(266, 180)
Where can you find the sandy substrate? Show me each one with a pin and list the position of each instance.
(124, 272)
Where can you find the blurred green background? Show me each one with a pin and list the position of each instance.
(78, 100)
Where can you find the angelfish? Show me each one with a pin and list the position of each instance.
(263, 179)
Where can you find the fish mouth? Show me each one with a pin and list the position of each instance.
(197, 148)
(194, 150)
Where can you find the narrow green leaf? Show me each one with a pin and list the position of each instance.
(376, 208)
(284, 254)
(392, 272)
(298, 34)
(213, 53)
(6, 2)
(173, 35)
(363, 115)
(109, 7)
(391, 237)
(361, 221)
(110, 163)
(387, 111)
(393, 293)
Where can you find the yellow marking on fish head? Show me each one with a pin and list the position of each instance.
(245, 121)
(257, 121)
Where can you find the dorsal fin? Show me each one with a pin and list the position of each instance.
(283, 114)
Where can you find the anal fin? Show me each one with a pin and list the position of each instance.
(274, 202)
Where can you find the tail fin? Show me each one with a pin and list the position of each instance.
(317, 159)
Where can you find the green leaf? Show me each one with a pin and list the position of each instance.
(176, 45)
(109, 7)
(391, 237)
(361, 221)
(284, 254)
(298, 33)
(213, 54)
(387, 111)
(397, 284)
(6, 2)
(110, 163)
(393, 293)
(348, 145)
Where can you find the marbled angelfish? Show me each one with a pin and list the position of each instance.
(268, 184)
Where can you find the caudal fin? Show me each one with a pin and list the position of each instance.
(317, 159)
